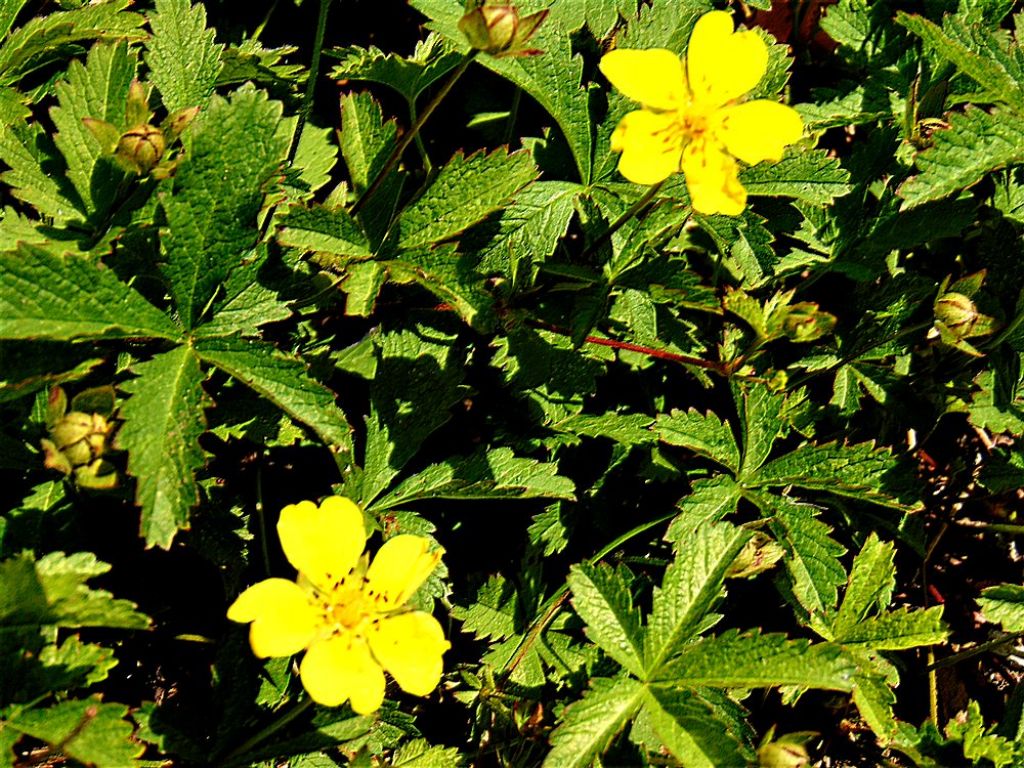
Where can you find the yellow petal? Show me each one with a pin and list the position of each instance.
(651, 145)
(409, 646)
(654, 76)
(758, 130)
(400, 566)
(323, 543)
(341, 668)
(711, 179)
(721, 64)
(284, 620)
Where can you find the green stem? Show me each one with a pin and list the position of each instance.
(513, 113)
(314, 74)
(268, 730)
(414, 130)
(420, 146)
(554, 603)
(630, 213)
(262, 518)
(969, 653)
(997, 527)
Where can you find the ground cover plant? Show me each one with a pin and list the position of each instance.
(566, 383)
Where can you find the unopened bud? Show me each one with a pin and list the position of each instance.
(498, 29)
(957, 312)
(140, 148)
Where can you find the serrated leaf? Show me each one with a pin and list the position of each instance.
(859, 471)
(699, 731)
(52, 592)
(284, 381)
(420, 754)
(98, 90)
(692, 585)
(755, 660)
(705, 435)
(451, 277)
(213, 200)
(163, 420)
(979, 742)
(602, 599)
(409, 76)
(808, 175)
(664, 25)
(248, 303)
(55, 36)
(1004, 604)
(315, 157)
(589, 725)
(9, 10)
(44, 296)
(36, 173)
(627, 429)
(465, 191)
(86, 730)
(323, 230)
(897, 630)
(709, 501)
(871, 583)
(976, 143)
(874, 699)
(493, 474)
(492, 615)
(183, 59)
(759, 410)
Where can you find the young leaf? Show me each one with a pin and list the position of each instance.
(602, 599)
(44, 296)
(284, 381)
(706, 435)
(213, 200)
(759, 410)
(872, 580)
(163, 419)
(183, 59)
(493, 474)
(691, 587)
(97, 90)
(466, 190)
(588, 726)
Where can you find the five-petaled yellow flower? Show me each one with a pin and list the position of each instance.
(692, 119)
(348, 614)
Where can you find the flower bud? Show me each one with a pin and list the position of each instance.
(787, 751)
(957, 312)
(498, 29)
(140, 148)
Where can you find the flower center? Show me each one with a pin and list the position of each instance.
(347, 607)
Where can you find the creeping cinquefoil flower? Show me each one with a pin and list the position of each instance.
(348, 614)
(692, 118)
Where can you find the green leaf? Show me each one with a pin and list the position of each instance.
(809, 175)
(451, 277)
(994, 69)
(284, 381)
(35, 174)
(588, 726)
(553, 79)
(870, 587)
(705, 435)
(97, 90)
(85, 730)
(9, 10)
(163, 419)
(858, 471)
(323, 230)
(701, 729)
(315, 157)
(692, 585)
(409, 76)
(44, 296)
(755, 660)
(981, 743)
(759, 410)
(709, 501)
(665, 25)
(466, 190)
(1004, 604)
(419, 754)
(183, 59)
(53, 37)
(976, 143)
(601, 597)
(212, 202)
(897, 630)
(72, 664)
(52, 592)
(874, 699)
(627, 429)
(419, 376)
(492, 474)
(248, 303)
(493, 614)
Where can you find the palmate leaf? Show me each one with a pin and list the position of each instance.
(85, 730)
(99, 90)
(213, 200)
(284, 381)
(493, 613)
(183, 59)
(466, 190)
(52, 591)
(976, 143)
(809, 175)
(705, 435)
(601, 597)
(163, 419)
(589, 725)
(553, 78)
(492, 474)
(45, 296)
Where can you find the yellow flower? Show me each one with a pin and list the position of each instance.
(692, 119)
(348, 614)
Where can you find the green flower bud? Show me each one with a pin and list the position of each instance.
(957, 312)
(759, 554)
(140, 148)
(787, 751)
(804, 322)
(498, 29)
(76, 439)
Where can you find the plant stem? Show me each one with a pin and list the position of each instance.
(997, 527)
(414, 129)
(268, 730)
(555, 602)
(956, 658)
(420, 146)
(629, 213)
(314, 73)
